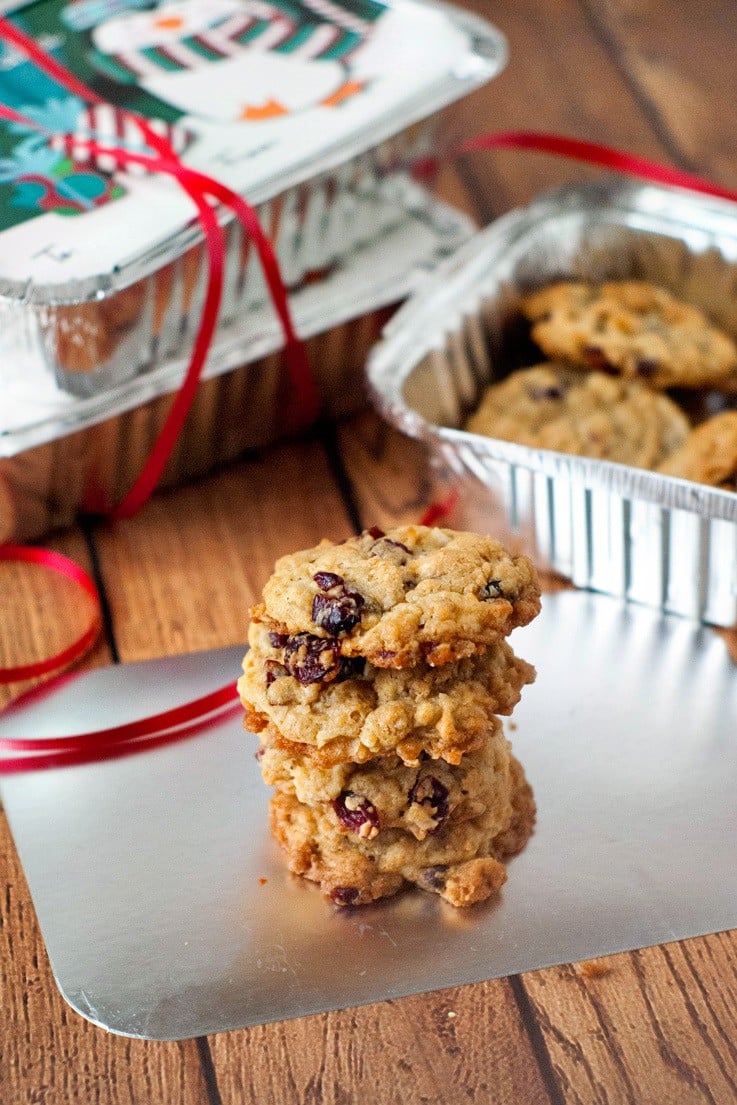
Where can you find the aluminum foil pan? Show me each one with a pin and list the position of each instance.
(309, 109)
(58, 453)
(653, 539)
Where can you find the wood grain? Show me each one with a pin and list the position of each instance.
(464, 1044)
(646, 1027)
(561, 77)
(666, 73)
(388, 472)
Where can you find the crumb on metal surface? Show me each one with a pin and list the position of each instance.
(594, 968)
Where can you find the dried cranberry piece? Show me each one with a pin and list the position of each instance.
(274, 670)
(350, 667)
(278, 640)
(398, 545)
(646, 367)
(259, 753)
(327, 580)
(375, 532)
(492, 589)
(545, 393)
(434, 877)
(337, 613)
(430, 792)
(344, 895)
(311, 659)
(596, 358)
(357, 814)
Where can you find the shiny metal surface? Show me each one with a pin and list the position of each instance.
(145, 871)
(654, 539)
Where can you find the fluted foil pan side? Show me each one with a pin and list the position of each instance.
(610, 527)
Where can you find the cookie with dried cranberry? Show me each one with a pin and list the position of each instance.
(384, 794)
(462, 862)
(396, 599)
(551, 406)
(634, 329)
(709, 454)
(368, 711)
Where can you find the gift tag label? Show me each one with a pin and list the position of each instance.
(249, 91)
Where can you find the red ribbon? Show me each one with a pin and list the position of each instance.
(167, 727)
(55, 562)
(593, 153)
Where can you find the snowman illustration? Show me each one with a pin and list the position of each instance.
(244, 61)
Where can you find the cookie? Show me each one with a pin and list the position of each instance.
(590, 414)
(463, 862)
(633, 328)
(709, 454)
(396, 599)
(368, 711)
(385, 794)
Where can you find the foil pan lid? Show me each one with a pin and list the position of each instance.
(262, 94)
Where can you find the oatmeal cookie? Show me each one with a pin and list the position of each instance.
(463, 862)
(634, 328)
(370, 799)
(399, 598)
(590, 414)
(368, 711)
(709, 455)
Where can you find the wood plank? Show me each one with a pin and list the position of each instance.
(51, 1056)
(389, 473)
(466, 1043)
(657, 56)
(646, 1027)
(559, 78)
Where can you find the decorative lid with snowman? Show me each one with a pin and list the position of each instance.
(261, 94)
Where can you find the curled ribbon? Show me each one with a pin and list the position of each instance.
(203, 190)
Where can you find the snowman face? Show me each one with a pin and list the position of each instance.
(164, 25)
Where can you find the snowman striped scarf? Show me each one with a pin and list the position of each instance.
(328, 33)
(106, 123)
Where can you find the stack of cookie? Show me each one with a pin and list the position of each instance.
(376, 673)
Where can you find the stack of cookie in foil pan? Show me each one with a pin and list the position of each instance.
(306, 108)
(574, 367)
(376, 672)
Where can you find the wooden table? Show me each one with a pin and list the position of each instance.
(656, 1026)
